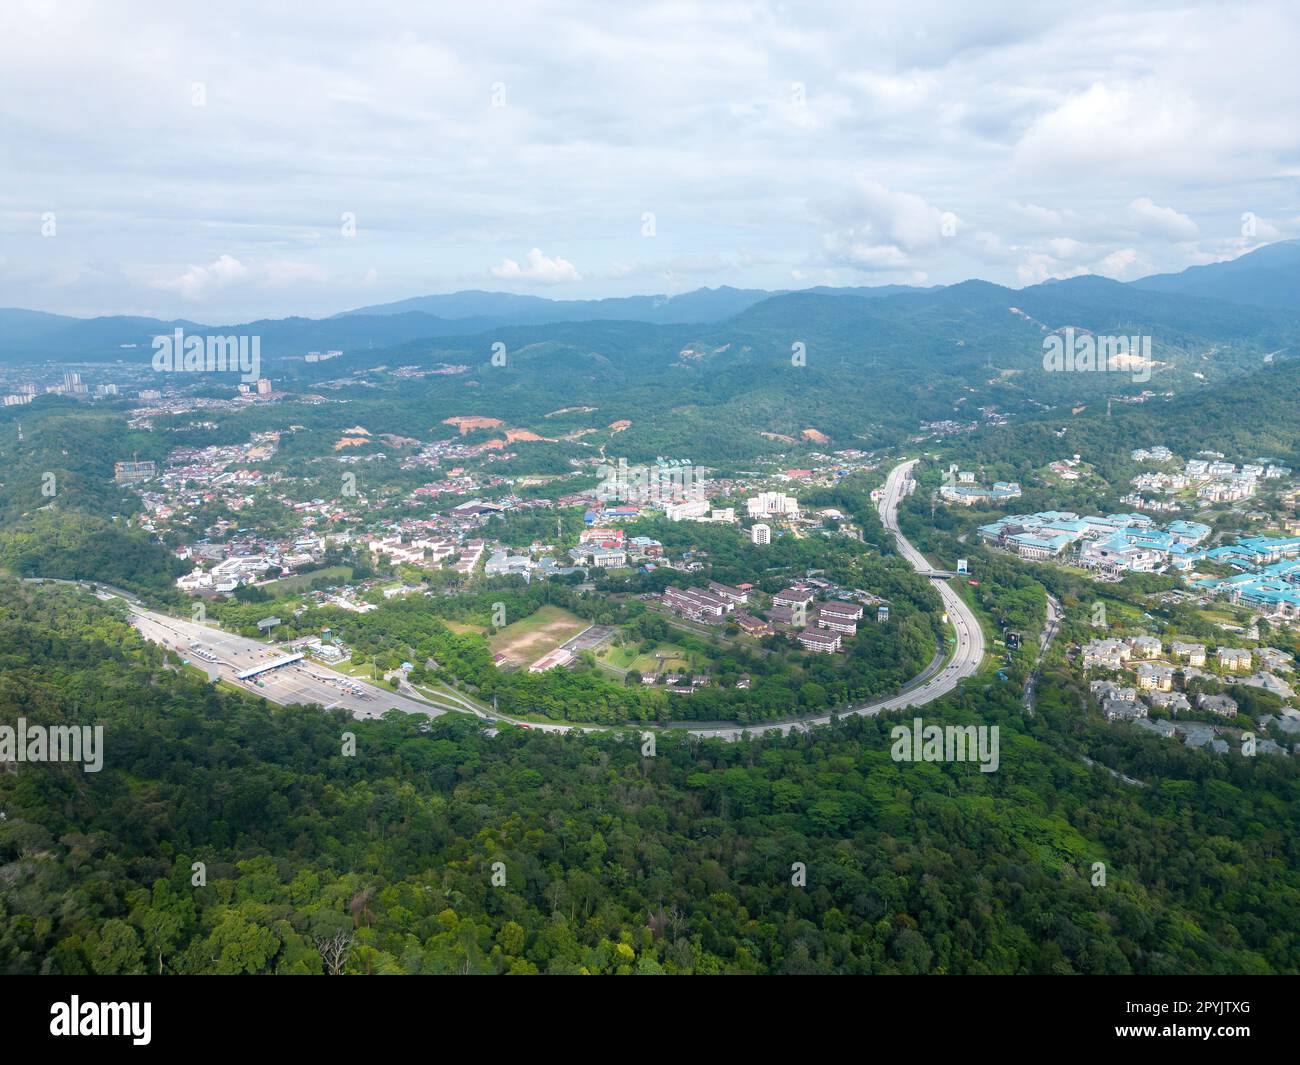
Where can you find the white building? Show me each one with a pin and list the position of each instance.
(761, 534)
(772, 504)
(691, 508)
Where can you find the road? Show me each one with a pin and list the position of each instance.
(966, 657)
(301, 682)
(306, 682)
(1050, 629)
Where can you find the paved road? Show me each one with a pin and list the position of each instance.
(301, 682)
(305, 682)
(1050, 630)
(970, 637)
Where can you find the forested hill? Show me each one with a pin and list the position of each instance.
(1257, 415)
(61, 514)
(613, 862)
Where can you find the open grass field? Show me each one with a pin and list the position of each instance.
(300, 581)
(666, 655)
(526, 640)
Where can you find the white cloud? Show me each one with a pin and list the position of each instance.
(1159, 221)
(1117, 110)
(1123, 264)
(536, 268)
(880, 229)
(199, 281)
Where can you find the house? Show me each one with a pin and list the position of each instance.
(1234, 658)
(1217, 704)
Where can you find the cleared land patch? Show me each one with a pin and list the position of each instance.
(525, 641)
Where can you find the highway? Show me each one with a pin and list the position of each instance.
(226, 654)
(966, 657)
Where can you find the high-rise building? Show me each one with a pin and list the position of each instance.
(263, 386)
(761, 534)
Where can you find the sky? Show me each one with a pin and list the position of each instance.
(224, 162)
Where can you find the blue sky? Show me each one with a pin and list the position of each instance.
(203, 160)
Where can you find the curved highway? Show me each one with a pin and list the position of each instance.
(303, 682)
(970, 637)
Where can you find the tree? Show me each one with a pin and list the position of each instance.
(334, 950)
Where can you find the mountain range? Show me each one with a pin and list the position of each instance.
(1267, 278)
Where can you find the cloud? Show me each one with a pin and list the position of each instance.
(198, 281)
(880, 229)
(1129, 125)
(1159, 221)
(1123, 264)
(536, 268)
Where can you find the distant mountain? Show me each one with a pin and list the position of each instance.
(1199, 304)
(27, 338)
(701, 305)
(19, 327)
(1266, 277)
(35, 335)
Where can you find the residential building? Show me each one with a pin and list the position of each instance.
(1144, 646)
(1192, 653)
(1153, 676)
(815, 640)
(1106, 654)
(793, 597)
(1217, 704)
(1234, 658)
(1123, 710)
(1170, 701)
(696, 604)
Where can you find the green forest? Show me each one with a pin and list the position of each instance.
(436, 848)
